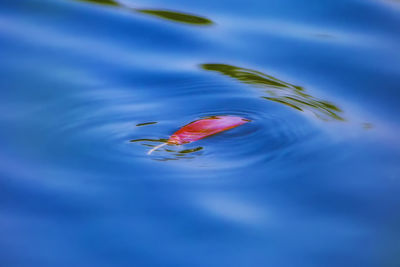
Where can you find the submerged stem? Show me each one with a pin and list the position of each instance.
(155, 148)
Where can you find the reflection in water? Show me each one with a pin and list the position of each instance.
(279, 91)
(164, 14)
(103, 2)
(367, 125)
(186, 151)
(146, 123)
(161, 140)
(176, 16)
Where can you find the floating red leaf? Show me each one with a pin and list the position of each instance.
(202, 128)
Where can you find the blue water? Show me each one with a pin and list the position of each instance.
(88, 87)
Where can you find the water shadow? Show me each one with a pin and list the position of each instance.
(279, 91)
(175, 16)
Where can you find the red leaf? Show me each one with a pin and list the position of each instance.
(202, 128)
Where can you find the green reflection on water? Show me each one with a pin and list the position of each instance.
(176, 16)
(367, 125)
(186, 151)
(161, 140)
(102, 2)
(279, 91)
(146, 123)
(163, 14)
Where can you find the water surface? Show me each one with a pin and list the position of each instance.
(88, 87)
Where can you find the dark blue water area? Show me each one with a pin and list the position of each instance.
(89, 87)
